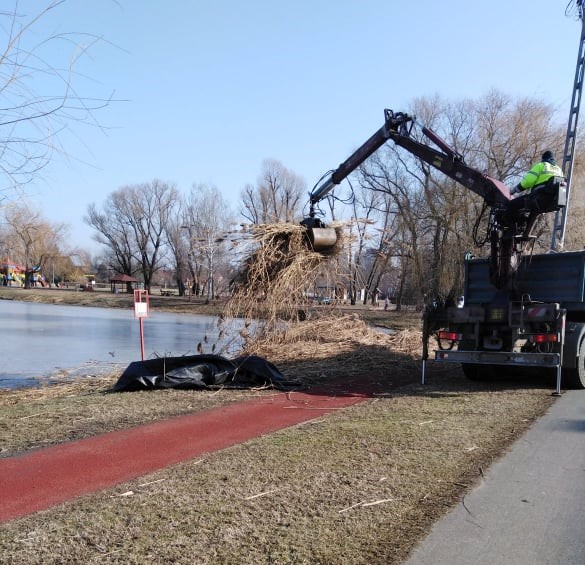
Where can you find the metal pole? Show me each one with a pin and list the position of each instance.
(141, 337)
(560, 221)
(557, 392)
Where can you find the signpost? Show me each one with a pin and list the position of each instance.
(141, 312)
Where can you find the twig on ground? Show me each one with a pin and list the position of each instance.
(265, 493)
(366, 504)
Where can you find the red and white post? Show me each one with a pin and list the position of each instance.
(141, 312)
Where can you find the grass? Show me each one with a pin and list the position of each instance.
(193, 305)
(37, 417)
(360, 486)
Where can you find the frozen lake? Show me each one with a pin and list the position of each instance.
(46, 341)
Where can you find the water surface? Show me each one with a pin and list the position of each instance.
(47, 341)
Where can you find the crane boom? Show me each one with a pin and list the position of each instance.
(398, 128)
(511, 221)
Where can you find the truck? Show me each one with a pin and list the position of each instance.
(513, 311)
(521, 311)
(540, 326)
(536, 321)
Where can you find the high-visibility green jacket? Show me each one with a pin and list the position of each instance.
(539, 174)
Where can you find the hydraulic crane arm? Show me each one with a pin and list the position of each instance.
(398, 128)
(511, 221)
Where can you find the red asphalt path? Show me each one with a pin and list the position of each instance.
(45, 477)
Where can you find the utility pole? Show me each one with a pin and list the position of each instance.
(574, 8)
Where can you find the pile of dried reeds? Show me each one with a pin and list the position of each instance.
(333, 333)
(275, 279)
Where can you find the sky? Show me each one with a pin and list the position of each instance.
(206, 90)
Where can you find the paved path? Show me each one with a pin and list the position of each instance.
(529, 508)
(45, 477)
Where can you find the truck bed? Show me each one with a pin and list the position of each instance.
(550, 277)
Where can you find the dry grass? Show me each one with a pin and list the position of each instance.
(37, 417)
(106, 299)
(360, 486)
(62, 412)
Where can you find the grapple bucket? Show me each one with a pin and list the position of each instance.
(322, 239)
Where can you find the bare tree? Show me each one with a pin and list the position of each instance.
(115, 233)
(32, 121)
(364, 207)
(207, 218)
(178, 244)
(383, 248)
(31, 239)
(276, 197)
(132, 225)
(440, 219)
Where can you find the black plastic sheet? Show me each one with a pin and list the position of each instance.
(199, 372)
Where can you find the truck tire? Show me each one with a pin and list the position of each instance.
(575, 378)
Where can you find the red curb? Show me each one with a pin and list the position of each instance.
(43, 478)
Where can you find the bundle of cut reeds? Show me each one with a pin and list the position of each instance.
(275, 279)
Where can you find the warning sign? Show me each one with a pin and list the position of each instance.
(141, 303)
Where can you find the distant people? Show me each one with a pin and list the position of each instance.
(386, 303)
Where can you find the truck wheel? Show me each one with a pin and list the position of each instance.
(575, 378)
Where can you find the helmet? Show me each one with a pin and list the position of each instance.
(548, 155)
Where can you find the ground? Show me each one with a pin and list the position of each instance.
(192, 305)
(362, 485)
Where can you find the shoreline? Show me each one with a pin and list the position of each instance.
(95, 366)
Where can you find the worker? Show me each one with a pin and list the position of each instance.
(537, 193)
(539, 174)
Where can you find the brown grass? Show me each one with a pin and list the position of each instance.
(66, 411)
(37, 417)
(359, 486)
(106, 299)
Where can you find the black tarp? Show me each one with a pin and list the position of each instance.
(200, 371)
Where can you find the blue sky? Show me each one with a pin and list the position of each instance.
(213, 87)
